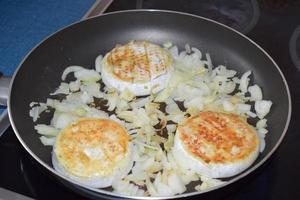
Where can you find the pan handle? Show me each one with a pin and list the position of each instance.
(4, 92)
(4, 89)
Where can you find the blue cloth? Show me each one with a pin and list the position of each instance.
(24, 23)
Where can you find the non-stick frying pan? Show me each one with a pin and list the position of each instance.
(79, 44)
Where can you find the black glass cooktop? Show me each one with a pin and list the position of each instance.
(274, 25)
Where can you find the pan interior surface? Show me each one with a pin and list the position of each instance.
(79, 44)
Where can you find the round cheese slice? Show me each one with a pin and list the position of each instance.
(94, 152)
(216, 145)
(141, 67)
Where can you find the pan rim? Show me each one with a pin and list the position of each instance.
(105, 192)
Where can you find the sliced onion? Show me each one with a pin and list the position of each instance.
(70, 69)
(92, 89)
(244, 82)
(255, 92)
(177, 118)
(172, 107)
(74, 86)
(169, 143)
(197, 53)
(176, 183)
(196, 102)
(262, 145)
(126, 188)
(262, 108)
(44, 129)
(262, 123)
(171, 128)
(98, 61)
(262, 132)
(62, 120)
(188, 48)
(127, 95)
(243, 108)
(47, 141)
(174, 52)
(87, 75)
(228, 106)
(167, 45)
(209, 63)
(35, 111)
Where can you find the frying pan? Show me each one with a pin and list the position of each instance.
(79, 44)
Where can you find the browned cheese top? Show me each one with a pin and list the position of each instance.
(92, 147)
(138, 61)
(218, 137)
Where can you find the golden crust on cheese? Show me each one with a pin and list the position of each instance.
(218, 137)
(138, 61)
(92, 147)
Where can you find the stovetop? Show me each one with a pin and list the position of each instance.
(275, 26)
